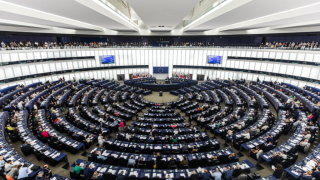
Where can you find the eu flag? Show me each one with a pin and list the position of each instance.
(160, 70)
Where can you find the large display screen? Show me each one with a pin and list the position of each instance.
(212, 59)
(107, 59)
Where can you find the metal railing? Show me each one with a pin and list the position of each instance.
(164, 47)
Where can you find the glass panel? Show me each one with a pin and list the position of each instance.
(46, 67)
(243, 53)
(290, 70)
(272, 55)
(52, 66)
(32, 69)
(62, 54)
(25, 70)
(314, 73)
(68, 54)
(84, 64)
(265, 54)
(30, 56)
(279, 55)
(125, 57)
(316, 58)
(56, 54)
(276, 68)
(283, 69)
(50, 54)
(5, 58)
(293, 56)
(58, 66)
(270, 67)
(258, 65)
(64, 65)
(39, 68)
(70, 65)
(246, 65)
(285, 56)
(14, 57)
(74, 54)
(17, 71)
(297, 70)
(37, 55)
(236, 64)
(305, 72)
(80, 64)
(300, 56)
(9, 72)
(44, 55)
(23, 56)
(308, 57)
(259, 55)
(252, 64)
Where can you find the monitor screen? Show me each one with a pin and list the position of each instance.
(212, 59)
(107, 59)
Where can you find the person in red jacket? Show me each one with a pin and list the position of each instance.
(45, 134)
(121, 125)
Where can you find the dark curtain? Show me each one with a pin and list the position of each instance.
(32, 39)
(294, 39)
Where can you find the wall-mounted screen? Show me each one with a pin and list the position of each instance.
(212, 59)
(107, 59)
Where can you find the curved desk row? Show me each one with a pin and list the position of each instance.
(161, 87)
(10, 153)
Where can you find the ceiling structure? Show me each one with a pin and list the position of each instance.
(160, 17)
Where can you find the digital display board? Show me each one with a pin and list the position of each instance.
(212, 59)
(107, 59)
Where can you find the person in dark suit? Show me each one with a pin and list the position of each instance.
(194, 175)
(269, 139)
(158, 159)
(88, 171)
(138, 148)
(26, 145)
(278, 171)
(46, 171)
(157, 138)
(316, 173)
(275, 159)
(54, 138)
(94, 155)
(121, 176)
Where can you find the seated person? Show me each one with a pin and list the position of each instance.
(302, 144)
(45, 134)
(184, 161)
(232, 156)
(195, 149)
(275, 159)
(253, 152)
(26, 145)
(142, 163)
(269, 139)
(77, 168)
(9, 128)
(100, 156)
(131, 161)
(54, 138)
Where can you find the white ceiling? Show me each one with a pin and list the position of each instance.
(162, 12)
(70, 9)
(299, 19)
(17, 17)
(93, 18)
(252, 10)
